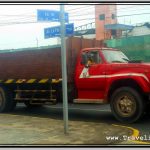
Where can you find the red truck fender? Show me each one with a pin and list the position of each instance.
(141, 83)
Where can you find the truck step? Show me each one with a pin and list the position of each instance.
(35, 90)
(36, 99)
(98, 101)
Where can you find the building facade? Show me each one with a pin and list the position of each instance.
(104, 14)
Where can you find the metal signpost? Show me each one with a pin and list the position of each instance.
(64, 70)
(59, 31)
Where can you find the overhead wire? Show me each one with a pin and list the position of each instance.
(28, 14)
(30, 18)
(27, 19)
(77, 8)
(71, 15)
(83, 14)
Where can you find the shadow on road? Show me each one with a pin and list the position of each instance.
(74, 113)
(88, 115)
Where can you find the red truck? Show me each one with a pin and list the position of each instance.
(95, 75)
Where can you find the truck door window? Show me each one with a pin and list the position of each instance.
(94, 57)
(91, 57)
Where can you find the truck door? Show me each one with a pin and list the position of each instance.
(91, 75)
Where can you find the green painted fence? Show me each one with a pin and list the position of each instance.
(135, 47)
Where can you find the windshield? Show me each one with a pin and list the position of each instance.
(115, 56)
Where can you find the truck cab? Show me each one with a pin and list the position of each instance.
(106, 75)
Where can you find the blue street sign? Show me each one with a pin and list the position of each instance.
(55, 31)
(50, 15)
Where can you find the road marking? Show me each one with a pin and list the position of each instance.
(140, 142)
(135, 131)
(135, 134)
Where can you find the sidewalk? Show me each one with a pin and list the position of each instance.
(24, 130)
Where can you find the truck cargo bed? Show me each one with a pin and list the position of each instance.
(28, 64)
(41, 63)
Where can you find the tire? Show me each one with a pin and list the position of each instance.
(7, 102)
(127, 105)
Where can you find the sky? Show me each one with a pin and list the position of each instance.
(19, 27)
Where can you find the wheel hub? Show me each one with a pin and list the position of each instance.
(126, 105)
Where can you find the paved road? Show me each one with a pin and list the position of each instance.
(82, 112)
(96, 113)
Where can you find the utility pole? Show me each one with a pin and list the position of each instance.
(64, 69)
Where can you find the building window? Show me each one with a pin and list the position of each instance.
(102, 17)
(113, 16)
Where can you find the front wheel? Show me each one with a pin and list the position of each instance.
(127, 105)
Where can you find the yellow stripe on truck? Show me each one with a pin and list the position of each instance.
(9, 81)
(20, 80)
(56, 80)
(43, 80)
(31, 81)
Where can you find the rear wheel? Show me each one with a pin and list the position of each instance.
(127, 105)
(7, 102)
